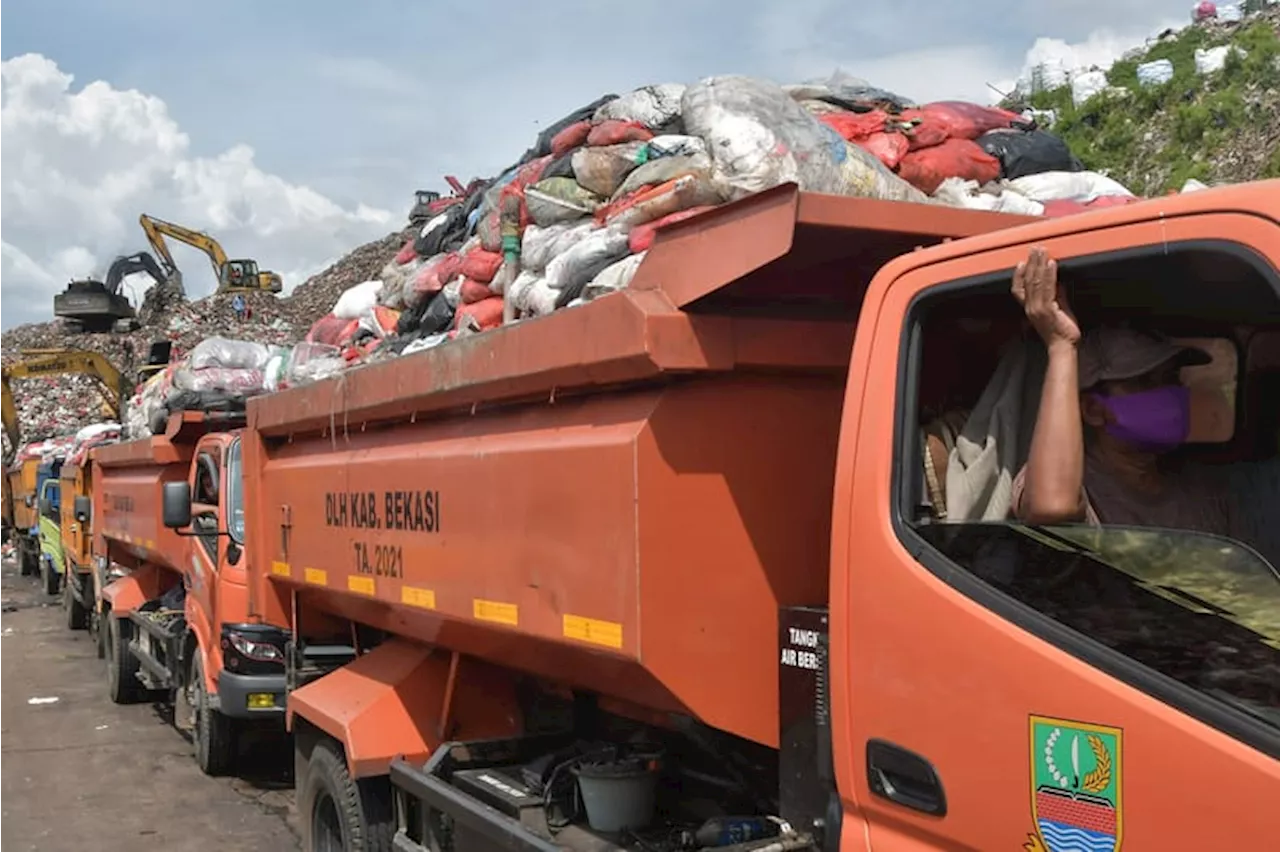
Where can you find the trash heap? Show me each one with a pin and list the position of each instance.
(572, 219)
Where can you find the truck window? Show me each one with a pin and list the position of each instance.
(204, 520)
(235, 494)
(51, 494)
(1189, 612)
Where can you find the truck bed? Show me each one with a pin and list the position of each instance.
(128, 481)
(618, 497)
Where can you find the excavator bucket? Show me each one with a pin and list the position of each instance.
(87, 305)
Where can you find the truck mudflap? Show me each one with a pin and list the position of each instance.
(438, 806)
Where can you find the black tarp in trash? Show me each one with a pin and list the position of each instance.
(1028, 152)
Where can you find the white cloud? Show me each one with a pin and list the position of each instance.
(78, 167)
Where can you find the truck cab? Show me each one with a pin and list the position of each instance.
(50, 527)
(236, 674)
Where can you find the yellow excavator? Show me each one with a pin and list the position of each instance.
(116, 384)
(233, 276)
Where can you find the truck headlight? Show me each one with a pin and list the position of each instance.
(254, 650)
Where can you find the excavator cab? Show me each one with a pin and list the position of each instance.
(88, 306)
(244, 275)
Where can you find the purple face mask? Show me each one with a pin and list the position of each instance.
(1155, 421)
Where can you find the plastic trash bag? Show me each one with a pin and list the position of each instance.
(481, 315)
(646, 205)
(602, 169)
(470, 291)
(542, 145)
(961, 120)
(1083, 186)
(927, 168)
(312, 362)
(381, 321)
(580, 263)
(1230, 14)
(1214, 59)
(452, 292)
(848, 91)
(357, 300)
(1024, 153)
(759, 137)
(652, 106)
(573, 136)
(438, 316)
(957, 192)
(616, 276)
(1086, 85)
(275, 374)
(1155, 73)
(675, 145)
(559, 199)
(617, 132)
(437, 272)
(540, 244)
(229, 380)
(480, 265)
(863, 175)
(431, 341)
(664, 169)
(642, 236)
(231, 354)
(530, 296)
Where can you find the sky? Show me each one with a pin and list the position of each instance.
(294, 132)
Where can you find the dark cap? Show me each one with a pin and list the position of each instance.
(1114, 354)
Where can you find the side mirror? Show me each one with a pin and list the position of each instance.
(176, 505)
(30, 501)
(83, 509)
(46, 505)
(233, 553)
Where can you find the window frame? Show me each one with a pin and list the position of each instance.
(908, 460)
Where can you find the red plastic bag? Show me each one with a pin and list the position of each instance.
(348, 333)
(573, 136)
(406, 253)
(888, 148)
(614, 132)
(927, 168)
(327, 329)
(854, 126)
(480, 265)
(642, 236)
(530, 173)
(473, 291)
(437, 273)
(923, 130)
(962, 120)
(487, 313)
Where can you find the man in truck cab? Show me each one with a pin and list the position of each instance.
(1111, 409)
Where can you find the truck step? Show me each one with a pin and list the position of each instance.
(164, 625)
(154, 673)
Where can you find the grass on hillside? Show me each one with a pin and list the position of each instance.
(1200, 112)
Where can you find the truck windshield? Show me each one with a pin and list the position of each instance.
(235, 494)
(1199, 608)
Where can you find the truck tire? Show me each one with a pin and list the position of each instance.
(122, 666)
(77, 615)
(338, 812)
(213, 736)
(49, 578)
(28, 558)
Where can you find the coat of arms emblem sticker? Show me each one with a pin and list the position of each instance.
(1076, 791)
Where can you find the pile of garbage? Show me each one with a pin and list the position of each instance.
(573, 217)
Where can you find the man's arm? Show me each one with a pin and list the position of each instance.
(1054, 476)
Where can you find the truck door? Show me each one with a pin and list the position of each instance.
(1003, 687)
(201, 576)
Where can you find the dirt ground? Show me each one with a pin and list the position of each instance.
(80, 772)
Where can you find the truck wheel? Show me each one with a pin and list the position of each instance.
(77, 615)
(213, 736)
(49, 577)
(29, 558)
(339, 813)
(122, 666)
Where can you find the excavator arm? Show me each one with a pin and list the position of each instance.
(157, 229)
(49, 362)
(231, 275)
(125, 266)
(10, 413)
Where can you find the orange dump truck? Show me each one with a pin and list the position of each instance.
(76, 508)
(174, 606)
(683, 568)
(20, 487)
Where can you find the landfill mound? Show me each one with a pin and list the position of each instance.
(571, 219)
(1197, 103)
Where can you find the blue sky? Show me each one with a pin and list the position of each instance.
(347, 108)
